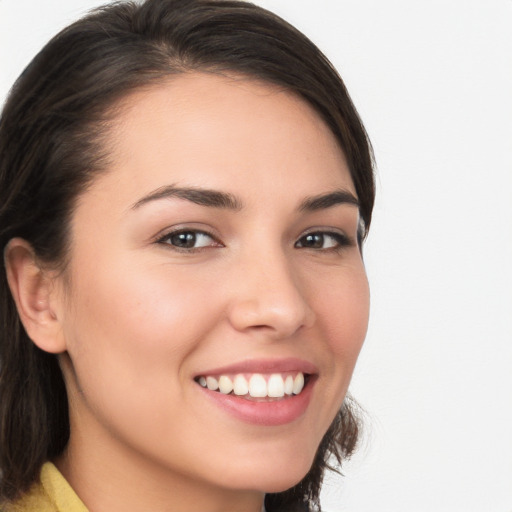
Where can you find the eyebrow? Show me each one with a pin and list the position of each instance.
(200, 196)
(323, 201)
(225, 200)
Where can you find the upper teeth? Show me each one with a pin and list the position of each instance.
(257, 385)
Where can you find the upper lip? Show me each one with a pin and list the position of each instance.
(289, 364)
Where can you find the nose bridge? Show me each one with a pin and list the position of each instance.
(268, 294)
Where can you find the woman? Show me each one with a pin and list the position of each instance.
(185, 189)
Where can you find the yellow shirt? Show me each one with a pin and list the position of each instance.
(51, 494)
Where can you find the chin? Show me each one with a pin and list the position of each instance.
(271, 476)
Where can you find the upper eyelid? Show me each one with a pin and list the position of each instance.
(323, 229)
(163, 240)
(326, 231)
(348, 239)
(164, 233)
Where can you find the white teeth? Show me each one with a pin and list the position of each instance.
(288, 385)
(298, 383)
(275, 386)
(212, 383)
(240, 386)
(225, 385)
(257, 386)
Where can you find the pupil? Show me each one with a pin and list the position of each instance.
(186, 240)
(315, 240)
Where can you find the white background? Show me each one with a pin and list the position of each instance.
(433, 83)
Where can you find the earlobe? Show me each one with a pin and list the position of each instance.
(32, 288)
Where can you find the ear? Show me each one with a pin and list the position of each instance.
(35, 295)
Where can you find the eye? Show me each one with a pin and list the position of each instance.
(322, 240)
(189, 239)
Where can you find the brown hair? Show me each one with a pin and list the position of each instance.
(51, 133)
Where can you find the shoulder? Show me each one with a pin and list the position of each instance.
(51, 493)
(36, 500)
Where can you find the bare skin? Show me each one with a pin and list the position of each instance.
(137, 317)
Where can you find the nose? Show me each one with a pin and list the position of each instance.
(268, 297)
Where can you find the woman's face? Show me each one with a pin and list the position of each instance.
(219, 246)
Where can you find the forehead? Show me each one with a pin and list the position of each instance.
(216, 131)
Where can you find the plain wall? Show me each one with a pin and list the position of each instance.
(433, 83)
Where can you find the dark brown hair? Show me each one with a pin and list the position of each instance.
(51, 134)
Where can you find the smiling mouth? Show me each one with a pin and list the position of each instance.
(256, 386)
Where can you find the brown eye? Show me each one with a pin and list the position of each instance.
(313, 241)
(189, 239)
(322, 241)
(186, 240)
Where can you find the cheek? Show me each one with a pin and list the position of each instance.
(341, 304)
(342, 313)
(129, 337)
(353, 310)
(128, 322)
(345, 306)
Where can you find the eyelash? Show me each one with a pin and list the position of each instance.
(341, 241)
(166, 239)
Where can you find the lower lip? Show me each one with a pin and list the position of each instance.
(269, 414)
